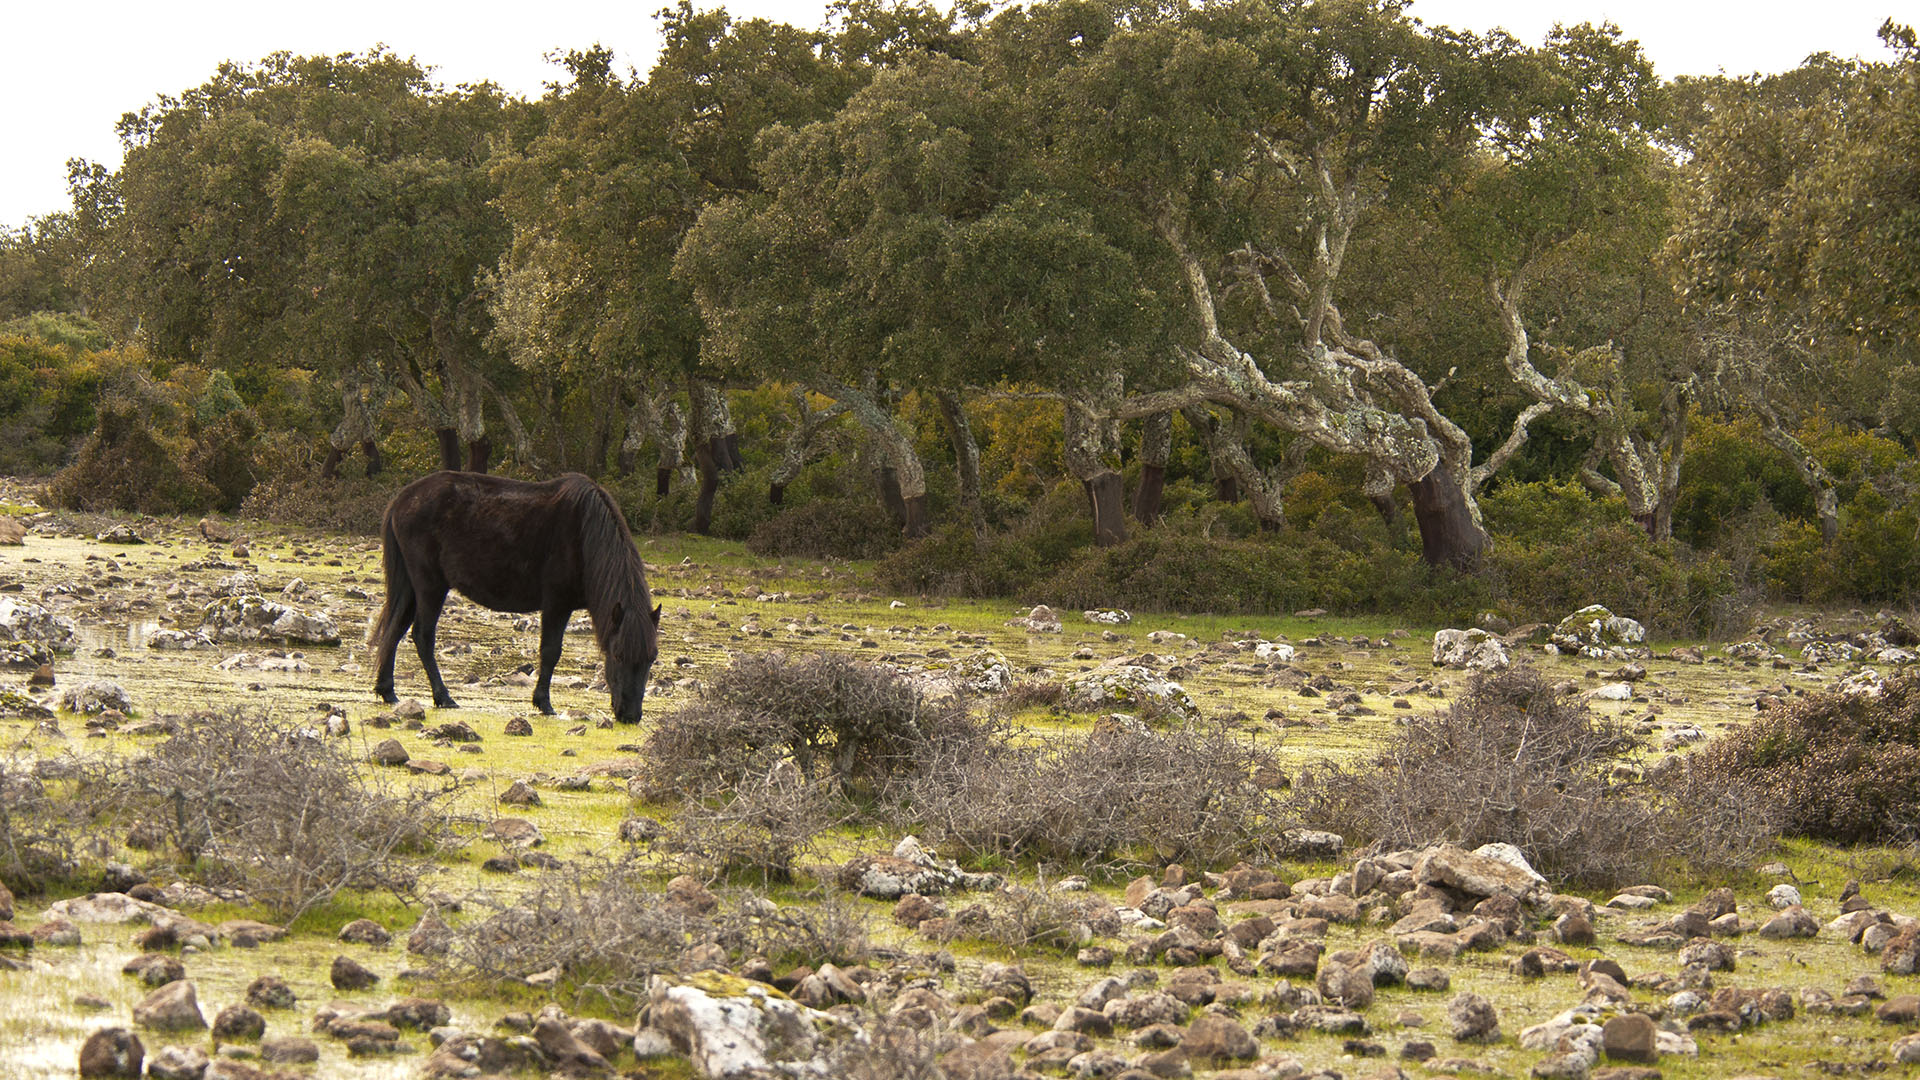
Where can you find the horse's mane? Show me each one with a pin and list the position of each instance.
(612, 571)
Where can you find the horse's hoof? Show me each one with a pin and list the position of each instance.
(445, 703)
(545, 708)
(387, 696)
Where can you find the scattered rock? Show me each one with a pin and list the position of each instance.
(289, 1050)
(252, 617)
(270, 992)
(348, 974)
(1473, 1018)
(388, 752)
(1599, 634)
(365, 932)
(177, 1063)
(520, 793)
(1473, 650)
(1128, 686)
(112, 1052)
(1630, 1037)
(238, 1022)
(96, 696)
(173, 1007)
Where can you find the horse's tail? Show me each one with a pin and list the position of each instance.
(398, 583)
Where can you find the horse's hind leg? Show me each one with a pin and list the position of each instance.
(553, 631)
(425, 621)
(399, 618)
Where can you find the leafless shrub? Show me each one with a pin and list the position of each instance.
(40, 830)
(269, 808)
(758, 827)
(1030, 694)
(887, 1050)
(1037, 918)
(829, 718)
(1515, 761)
(1121, 794)
(604, 930)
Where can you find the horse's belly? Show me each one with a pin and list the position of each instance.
(498, 598)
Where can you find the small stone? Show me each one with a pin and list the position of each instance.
(238, 1022)
(365, 932)
(112, 1052)
(520, 793)
(1630, 1037)
(348, 974)
(173, 1007)
(388, 752)
(1472, 1018)
(270, 992)
(155, 969)
(177, 1063)
(289, 1050)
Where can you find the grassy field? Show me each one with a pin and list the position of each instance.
(720, 602)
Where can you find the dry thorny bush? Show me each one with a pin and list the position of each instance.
(779, 750)
(270, 808)
(1515, 760)
(832, 720)
(759, 826)
(604, 929)
(1119, 795)
(41, 829)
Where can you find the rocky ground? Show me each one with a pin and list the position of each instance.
(1373, 963)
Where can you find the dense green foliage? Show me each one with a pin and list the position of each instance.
(1356, 312)
(1840, 767)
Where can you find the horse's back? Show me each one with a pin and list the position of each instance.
(510, 545)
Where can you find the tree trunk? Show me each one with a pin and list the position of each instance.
(888, 480)
(375, 462)
(966, 456)
(909, 476)
(1156, 445)
(1826, 500)
(478, 452)
(1234, 467)
(799, 448)
(356, 427)
(1106, 496)
(713, 424)
(1448, 534)
(709, 484)
(1085, 439)
(449, 448)
(602, 442)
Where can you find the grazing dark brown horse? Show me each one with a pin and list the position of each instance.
(511, 545)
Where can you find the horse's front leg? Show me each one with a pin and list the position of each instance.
(426, 621)
(553, 631)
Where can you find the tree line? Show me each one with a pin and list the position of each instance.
(1288, 231)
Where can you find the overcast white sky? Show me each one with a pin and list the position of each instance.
(69, 70)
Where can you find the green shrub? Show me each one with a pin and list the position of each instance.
(1548, 512)
(818, 528)
(1670, 591)
(1514, 762)
(135, 459)
(1843, 768)
(1170, 569)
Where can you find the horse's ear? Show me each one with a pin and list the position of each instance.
(656, 614)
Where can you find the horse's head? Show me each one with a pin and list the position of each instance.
(630, 657)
